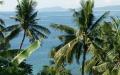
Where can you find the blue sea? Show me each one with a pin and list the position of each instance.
(41, 57)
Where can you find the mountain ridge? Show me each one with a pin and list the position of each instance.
(60, 9)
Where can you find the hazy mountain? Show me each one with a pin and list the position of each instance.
(109, 8)
(60, 9)
(51, 9)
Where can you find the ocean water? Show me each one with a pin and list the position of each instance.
(41, 57)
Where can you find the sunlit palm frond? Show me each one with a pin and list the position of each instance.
(20, 57)
(55, 49)
(64, 52)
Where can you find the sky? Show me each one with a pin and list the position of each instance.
(9, 5)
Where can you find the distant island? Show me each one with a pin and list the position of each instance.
(109, 8)
(60, 9)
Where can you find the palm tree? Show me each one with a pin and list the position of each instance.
(108, 55)
(53, 70)
(27, 19)
(77, 41)
(6, 55)
(11, 61)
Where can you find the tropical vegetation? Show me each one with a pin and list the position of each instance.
(12, 60)
(93, 42)
(77, 42)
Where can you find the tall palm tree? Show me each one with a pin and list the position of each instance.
(77, 41)
(11, 61)
(26, 16)
(108, 55)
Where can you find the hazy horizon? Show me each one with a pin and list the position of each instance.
(10, 5)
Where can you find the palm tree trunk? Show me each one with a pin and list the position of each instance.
(85, 48)
(83, 62)
(22, 41)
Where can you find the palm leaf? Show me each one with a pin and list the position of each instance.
(25, 53)
(4, 62)
(63, 28)
(13, 34)
(34, 36)
(65, 52)
(10, 28)
(70, 52)
(90, 63)
(66, 38)
(78, 50)
(107, 72)
(41, 28)
(99, 20)
(102, 67)
(55, 49)
(116, 22)
(9, 53)
(34, 15)
(1, 36)
(39, 34)
(2, 22)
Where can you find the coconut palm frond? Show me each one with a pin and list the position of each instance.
(38, 33)
(64, 28)
(42, 29)
(66, 38)
(20, 57)
(13, 34)
(10, 28)
(64, 52)
(99, 20)
(2, 22)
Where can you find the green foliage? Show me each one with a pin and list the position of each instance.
(99, 38)
(22, 69)
(78, 41)
(107, 53)
(12, 61)
(27, 19)
(20, 57)
(52, 70)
